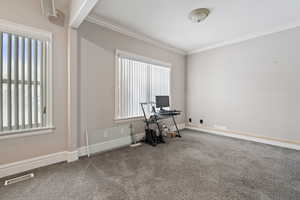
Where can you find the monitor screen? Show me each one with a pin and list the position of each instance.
(162, 101)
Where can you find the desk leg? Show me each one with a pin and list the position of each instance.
(178, 134)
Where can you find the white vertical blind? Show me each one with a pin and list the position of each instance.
(21, 82)
(159, 82)
(139, 82)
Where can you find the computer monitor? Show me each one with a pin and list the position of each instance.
(162, 101)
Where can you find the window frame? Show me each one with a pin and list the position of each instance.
(140, 58)
(35, 33)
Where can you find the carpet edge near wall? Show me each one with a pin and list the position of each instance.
(248, 137)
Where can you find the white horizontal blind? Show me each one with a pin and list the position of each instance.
(22, 82)
(139, 82)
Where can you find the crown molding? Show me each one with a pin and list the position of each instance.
(104, 23)
(125, 31)
(77, 16)
(245, 38)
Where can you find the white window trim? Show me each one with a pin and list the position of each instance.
(27, 31)
(26, 132)
(117, 119)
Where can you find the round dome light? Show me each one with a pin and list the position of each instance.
(198, 15)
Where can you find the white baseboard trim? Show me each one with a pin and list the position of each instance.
(109, 145)
(66, 156)
(244, 136)
(72, 156)
(33, 163)
(105, 146)
(116, 143)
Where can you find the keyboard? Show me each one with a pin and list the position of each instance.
(169, 112)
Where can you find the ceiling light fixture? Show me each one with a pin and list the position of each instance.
(198, 15)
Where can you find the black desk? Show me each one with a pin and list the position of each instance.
(162, 114)
(157, 116)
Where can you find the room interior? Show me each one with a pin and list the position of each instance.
(160, 99)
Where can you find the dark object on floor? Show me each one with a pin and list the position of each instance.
(151, 137)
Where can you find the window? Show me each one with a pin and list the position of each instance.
(139, 80)
(24, 64)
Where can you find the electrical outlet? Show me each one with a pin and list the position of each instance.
(201, 121)
(190, 120)
(105, 133)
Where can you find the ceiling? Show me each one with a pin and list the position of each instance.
(167, 20)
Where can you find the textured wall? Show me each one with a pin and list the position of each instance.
(97, 78)
(252, 86)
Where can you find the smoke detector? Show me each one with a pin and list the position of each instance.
(198, 15)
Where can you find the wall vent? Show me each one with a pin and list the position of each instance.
(19, 179)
